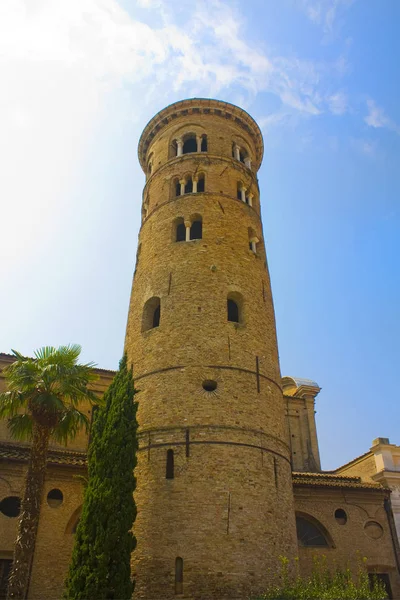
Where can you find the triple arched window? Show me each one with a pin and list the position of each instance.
(189, 185)
(189, 143)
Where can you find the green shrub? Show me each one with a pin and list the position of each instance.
(324, 583)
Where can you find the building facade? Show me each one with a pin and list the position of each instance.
(229, 475)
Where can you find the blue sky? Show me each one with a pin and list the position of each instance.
(81, 78)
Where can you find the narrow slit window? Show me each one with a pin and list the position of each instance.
(233, 311)
(170, 465)
(196, 230)
(179, 575)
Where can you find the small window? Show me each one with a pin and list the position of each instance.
(239, 191)
(179, 575)
(151, 314)
(190, 145)
(204, 143)
(196, 230)
(382, 578)
(308, 534)
(5, 571)
(233, 311)
(169, 474)
(189, 186)
(55, 498)
(177, 188)
(209, 385)
(341, 516)
(200, 184)
(180, 232)
(10, 506)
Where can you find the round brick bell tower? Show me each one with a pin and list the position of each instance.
(214, 489)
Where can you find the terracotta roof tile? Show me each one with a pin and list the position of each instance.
(332, 480)
(20, 453)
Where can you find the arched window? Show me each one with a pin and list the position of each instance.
(234, 305)
(177, 187)
(189, 144)
(180, 230)
(201, 184)
(311, 533)
(151, 314)
(253, 240)
(204, 143)
(169, 471)
(189, 186)
(178, 575)
(233, 311)
(196, 229)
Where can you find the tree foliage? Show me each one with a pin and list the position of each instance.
(324, 583)
(100, 566)
(41, 402)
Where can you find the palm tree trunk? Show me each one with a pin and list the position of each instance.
(29, 519)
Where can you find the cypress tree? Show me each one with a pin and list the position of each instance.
(100, 565)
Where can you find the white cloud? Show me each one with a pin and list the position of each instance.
(376, 117)
(324, 12)
(338, 103)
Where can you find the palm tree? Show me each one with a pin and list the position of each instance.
(42, 402)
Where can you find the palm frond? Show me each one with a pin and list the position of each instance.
(20, 426)
(71, 422)
(44, 353)
(11, 403)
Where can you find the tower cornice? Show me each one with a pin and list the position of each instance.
(196, 106)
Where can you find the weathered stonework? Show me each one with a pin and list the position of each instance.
(228, 511)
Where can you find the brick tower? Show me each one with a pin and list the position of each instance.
(214, 494)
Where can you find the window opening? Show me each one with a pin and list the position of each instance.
(204, 143)
(341, 516)
(189, 186)
(169, 474)
(181, 232)
(151, 314)
(5, 571)
(156, 317)
(200, 185)
(309, 534)
(190, 145)
(178, 575)
(10, 506)
(233, 311)
(209, 385)
(55, 498)
(196, 230)
(383, 578)
(177, 189)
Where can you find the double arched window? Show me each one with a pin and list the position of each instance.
(189, 230)
(151, 314)
(189, 184)
(244, 193)
(190, 143)
(241, 154)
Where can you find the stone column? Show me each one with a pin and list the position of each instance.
(198, 140)
(187, 225)
(250, 199)
(194, 185)
(237, 151)
(243, 193)
(179, 145)
(247, 162)
(182, 182)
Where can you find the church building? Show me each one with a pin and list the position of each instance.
(229, 475)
